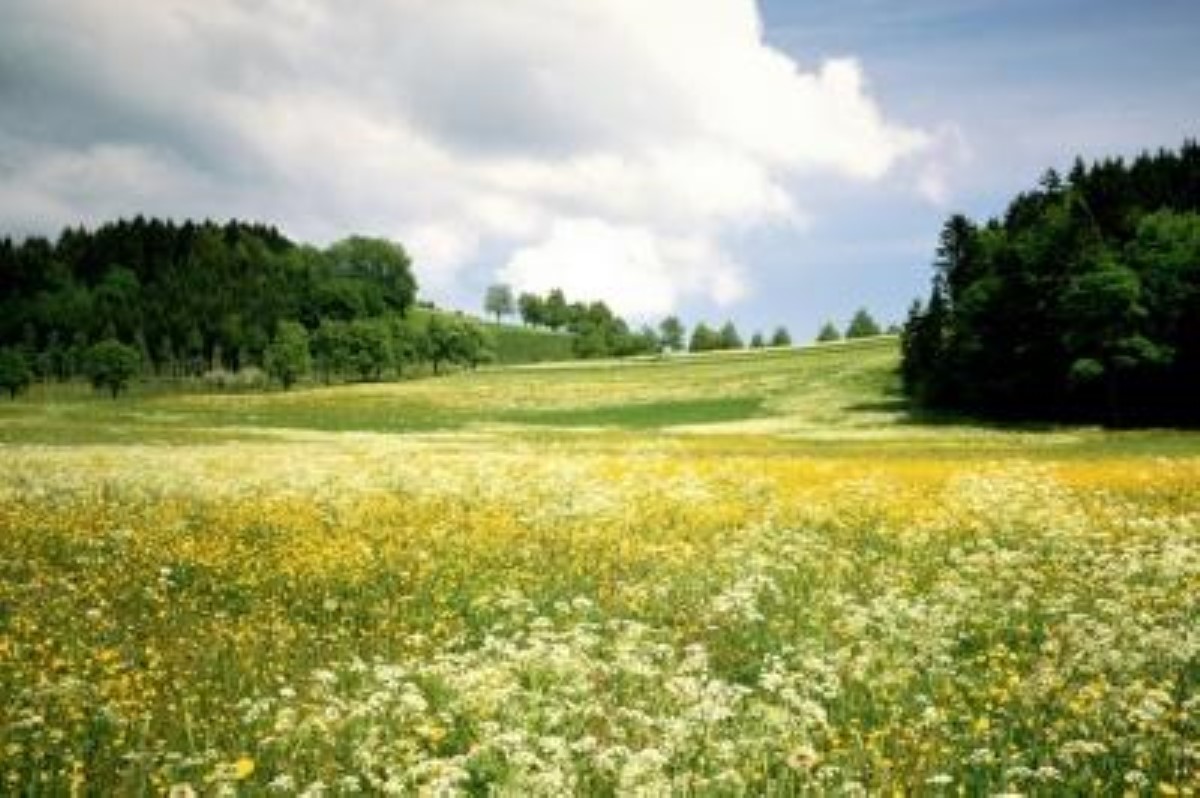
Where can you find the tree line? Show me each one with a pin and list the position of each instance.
(601, 333)
(1081, 303)
(861, 325)
(146, 296)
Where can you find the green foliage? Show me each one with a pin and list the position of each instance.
(192, 297)
(671, 333)
(829, 333)
(454, 340)
(704, 339)
(1083, 302)
(595, 330)
(15, 374)
(781, 337)
(862, 325)
(287, 357)
(730, 339)
(368, 348)
(499, 301)
(522, 345)
(555, 313)
(378, 263)
(533, 310)
(757, 341)
(111, 365)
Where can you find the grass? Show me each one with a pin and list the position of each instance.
(514, 344)
(739, 573)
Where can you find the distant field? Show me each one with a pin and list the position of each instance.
(738, 573)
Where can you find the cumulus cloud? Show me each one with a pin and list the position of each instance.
(603, 146)
(633, 268)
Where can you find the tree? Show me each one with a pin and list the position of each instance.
(287, 358)
(757, 341)
(1081, 302)
(781, 337)
(829, 333)
(729, 338)
(382, 263)
(555, 313)
(499, 301)
(532, 309)
(117, 302)
(645, 342)
(456, 340)
(704, 339)
(862, 325)
(15, 374)
(368, 348)
(671, 333)
(111, 365)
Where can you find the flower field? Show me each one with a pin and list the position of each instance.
(721, 577)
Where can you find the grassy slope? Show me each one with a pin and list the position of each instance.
(525, 345)
(545, 549)
(841, 398)
(515, 344)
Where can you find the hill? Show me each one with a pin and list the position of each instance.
(843, 396)
(730, 573)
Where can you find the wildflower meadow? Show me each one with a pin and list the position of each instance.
(720, 575)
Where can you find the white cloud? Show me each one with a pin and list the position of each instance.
(934, 181)
(606, 146)
(631, 268)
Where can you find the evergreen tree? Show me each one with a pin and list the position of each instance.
(703, 339)
(1081, 302)
(729, 338)
(862, 325)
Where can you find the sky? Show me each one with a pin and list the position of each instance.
(782, 162)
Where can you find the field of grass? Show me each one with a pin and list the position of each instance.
(728, 574)
(517, 344)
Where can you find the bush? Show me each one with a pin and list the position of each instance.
(111, 365)
(15, 374)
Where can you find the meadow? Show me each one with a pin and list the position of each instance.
(741, 573)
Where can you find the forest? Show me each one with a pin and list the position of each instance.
(1082, 303)
(238, 304)
(232, 302)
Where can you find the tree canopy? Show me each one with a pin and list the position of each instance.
(1082, 302)
(863, 325)
(111, 365)
(499, 301)
(188, 297)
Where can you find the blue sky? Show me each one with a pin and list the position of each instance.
(1028, 84)
(780, 162)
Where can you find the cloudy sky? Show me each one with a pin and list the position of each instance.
(778, 162)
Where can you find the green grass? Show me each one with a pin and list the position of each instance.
(648, 415)
(841, 398)
(514, 345)
(737, 573)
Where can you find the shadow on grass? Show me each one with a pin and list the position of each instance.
(911, 414)
(646, 415)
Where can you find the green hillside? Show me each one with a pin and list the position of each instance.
(515, 345)
(843, 396)
(744, 573)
